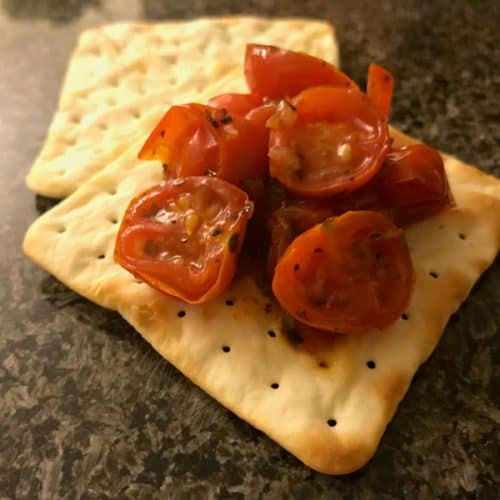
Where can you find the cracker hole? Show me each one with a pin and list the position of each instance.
(331, 422)
(112, 192)
(323, 364)
(181, 313)
(462, 236)
(135, 113)
(61, 230)
(113, 220)
(271, 333)
(101, 256)
(139, 282)
(405, 317)
(102, 126)
(275, 386)
(229, 302)
(226, 348)
(434, 275)
(371, 364)
(75, 119)
(113, 82)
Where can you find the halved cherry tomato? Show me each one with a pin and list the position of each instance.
(337, 142)
(279, 73)
(183, 237)
(411, 186)
(236, 104)
(349, 274)
(379, 88)
(194, 139)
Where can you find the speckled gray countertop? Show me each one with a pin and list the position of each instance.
(89, 410)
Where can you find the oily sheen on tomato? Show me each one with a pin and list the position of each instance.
(183, 237)
(194, 139)
(278, 73)
(336, 142)
(349, 274)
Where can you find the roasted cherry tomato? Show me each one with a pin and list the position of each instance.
(411, 185)
(379, 88)
(236, 104)
(279, 73)
(327, 140)
(194, 139)
(183, 237)
(349, 274)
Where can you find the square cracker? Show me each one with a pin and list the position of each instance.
(75, 241)
(122, 77)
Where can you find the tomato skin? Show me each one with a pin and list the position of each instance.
(236, 104)
(411, 186)
(194, 139)
(349, 274)
(183, 237)
(278, 73)
(379, 88)
(337, 143)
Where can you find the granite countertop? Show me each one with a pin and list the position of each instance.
(89, 410)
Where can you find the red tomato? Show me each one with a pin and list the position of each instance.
(379, 88)
(183, 237)
(337, 142)
(236, 104)
(349, 274)
(194, 139)
(279, 73)
(411, 185)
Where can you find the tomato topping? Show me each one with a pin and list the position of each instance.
(379, 88)
(349, 274)
(194, 139)
(337, 142)
(279, 73)
(411, 186)
(236, 104)
(183, 237)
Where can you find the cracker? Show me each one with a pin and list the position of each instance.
(122, 78)
(329, 409)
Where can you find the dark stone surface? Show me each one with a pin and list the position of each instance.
(89, 410)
